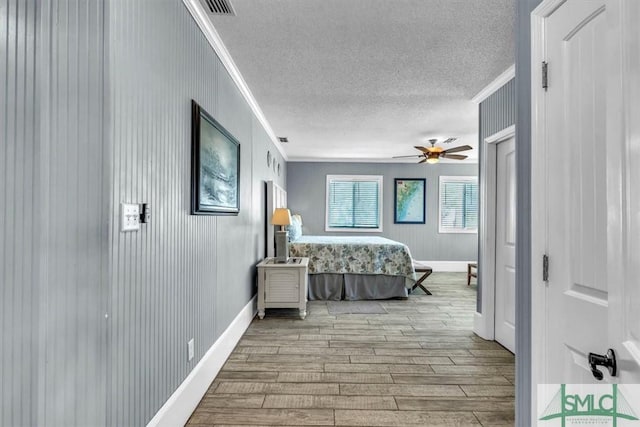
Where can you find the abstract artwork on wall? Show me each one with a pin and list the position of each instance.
(215, 166)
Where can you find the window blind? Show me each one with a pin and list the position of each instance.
(353, 203)
(458, 205)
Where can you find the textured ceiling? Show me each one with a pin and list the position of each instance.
(369, 79)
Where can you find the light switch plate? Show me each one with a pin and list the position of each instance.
(129, 217)
(190, 349)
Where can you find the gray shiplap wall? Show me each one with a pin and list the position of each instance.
(95, 110)
(181, 276)
(306, 194)
(497, 113)
(75, 187)
(53, 220)
(19, 290)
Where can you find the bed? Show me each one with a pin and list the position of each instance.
(348, 267)
(355, 267)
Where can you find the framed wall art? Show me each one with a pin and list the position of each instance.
(409, 200)
(215, 166)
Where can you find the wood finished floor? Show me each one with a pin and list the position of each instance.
(420, 364)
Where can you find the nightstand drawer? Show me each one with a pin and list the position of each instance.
(282, 286)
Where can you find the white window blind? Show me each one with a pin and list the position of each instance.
(354, 203)
(458, 204)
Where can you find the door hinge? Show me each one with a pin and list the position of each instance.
(545, 268)
(545, 75)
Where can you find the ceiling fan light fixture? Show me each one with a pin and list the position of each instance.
(432, 154)
(432, 160)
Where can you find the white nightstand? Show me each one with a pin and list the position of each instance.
(283, 285)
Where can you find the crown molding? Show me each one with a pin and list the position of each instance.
(211, 34)
(375, 160)
(492, 87)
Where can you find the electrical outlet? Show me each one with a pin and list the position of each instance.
(190, 349)
(129, 217)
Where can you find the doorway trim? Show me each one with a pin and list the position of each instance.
(484, 323)
(538, 205)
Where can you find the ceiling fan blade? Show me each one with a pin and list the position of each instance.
(423, 149)
(404, 157)
(422, 161)
(456, 149)
(448, 140)
(454, 156)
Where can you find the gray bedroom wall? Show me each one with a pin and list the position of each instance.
(497, 113)
(95, 110)
(181, 276)
(53, 247)
(75, 187)
(306, 182)
(19, 291)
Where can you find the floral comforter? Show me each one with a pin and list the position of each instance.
(354, 254)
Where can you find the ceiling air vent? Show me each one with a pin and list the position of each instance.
(219, 7)
(283, 139)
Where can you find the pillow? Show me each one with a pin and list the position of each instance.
(295, 229)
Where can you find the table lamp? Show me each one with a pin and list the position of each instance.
(281, 217)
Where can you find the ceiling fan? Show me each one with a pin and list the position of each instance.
(432, 154)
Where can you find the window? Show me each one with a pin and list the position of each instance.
(354, 203)
(458, 204)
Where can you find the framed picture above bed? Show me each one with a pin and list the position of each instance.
(409, 200)
(215, 166)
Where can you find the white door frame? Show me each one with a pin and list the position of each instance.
(484, 323)
(539, 187)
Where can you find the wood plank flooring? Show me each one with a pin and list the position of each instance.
(420, 364)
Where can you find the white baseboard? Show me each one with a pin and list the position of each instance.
(448, 266)
(481, 327)
(179, 407)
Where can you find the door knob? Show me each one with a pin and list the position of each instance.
(608, 361)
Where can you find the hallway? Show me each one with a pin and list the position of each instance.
(420, 364)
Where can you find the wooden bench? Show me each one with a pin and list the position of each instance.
(472, 271)
(426, 272)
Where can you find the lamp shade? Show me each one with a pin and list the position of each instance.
(281, 216)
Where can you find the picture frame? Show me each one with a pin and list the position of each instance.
(215, 166)
(409, 195)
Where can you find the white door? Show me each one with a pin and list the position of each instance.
(592, 213)
(577, 293)
(623, 186)
(505, 297)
